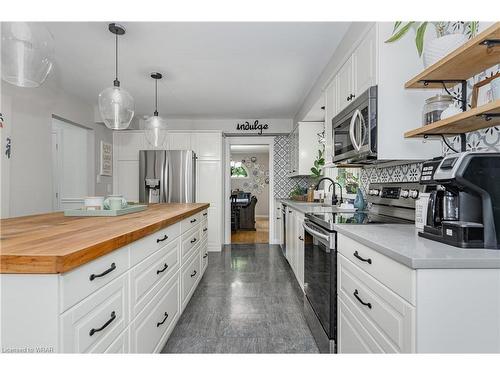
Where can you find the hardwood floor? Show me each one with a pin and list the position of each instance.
(261, 235)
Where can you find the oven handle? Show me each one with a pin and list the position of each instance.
(315, 233)
(357, 113)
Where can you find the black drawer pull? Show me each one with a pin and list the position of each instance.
(205, 229)
(163, 321)
(289, 211)
(301, 238)
(94, 330)
(194, 240)
(360, 300)
(367, 260)
(163, 269)
(205, 214)
(158, 240)
(193, 221)
(204, 256)
(111, 268)
(193, 274)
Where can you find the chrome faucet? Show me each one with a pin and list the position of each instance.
(334, 196)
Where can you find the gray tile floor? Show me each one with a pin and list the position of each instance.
(247, 302)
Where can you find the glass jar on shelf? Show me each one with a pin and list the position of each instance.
(434, 107)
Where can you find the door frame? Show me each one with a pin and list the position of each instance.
(246, 140)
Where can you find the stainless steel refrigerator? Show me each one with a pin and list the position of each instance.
(167, 176)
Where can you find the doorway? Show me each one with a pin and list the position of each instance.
(251, 187)
(72, 164)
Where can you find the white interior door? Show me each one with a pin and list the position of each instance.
(70, 150)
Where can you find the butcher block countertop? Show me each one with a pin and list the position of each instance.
(54, 243)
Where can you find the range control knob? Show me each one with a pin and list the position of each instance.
(404, 193)
(374, 192)
(414, 194)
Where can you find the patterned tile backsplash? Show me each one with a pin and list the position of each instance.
(487, 140)
(283, 184)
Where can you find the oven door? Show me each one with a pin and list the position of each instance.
(320, 275)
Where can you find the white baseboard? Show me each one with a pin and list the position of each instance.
(215, 248)
(262, 216)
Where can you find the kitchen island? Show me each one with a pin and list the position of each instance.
(99, 284)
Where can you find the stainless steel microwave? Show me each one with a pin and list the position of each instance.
(355, 130)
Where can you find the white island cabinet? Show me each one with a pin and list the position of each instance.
(128, 300)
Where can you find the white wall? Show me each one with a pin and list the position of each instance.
(28, 116)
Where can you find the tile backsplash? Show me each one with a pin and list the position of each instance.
(283, 184)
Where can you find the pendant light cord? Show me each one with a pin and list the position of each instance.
(156, 97)
(117, 83)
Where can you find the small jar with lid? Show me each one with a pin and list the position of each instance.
(433, 108)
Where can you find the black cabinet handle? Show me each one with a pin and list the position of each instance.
(94, 330)
(204, 256)
(353, 96)
(111, 268)
(193, 221)
(193, 274)
(204, 230)
(205, 214)
(360, 300)
(193, 240)
(289, 212)
(348, 98)
(163, 269)
(367, 260)
(161, 239)
(163, 321)
(300, 238)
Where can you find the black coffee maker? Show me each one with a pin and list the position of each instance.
(464, 201)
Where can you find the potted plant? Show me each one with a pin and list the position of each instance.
(319, 163)
(449, 36)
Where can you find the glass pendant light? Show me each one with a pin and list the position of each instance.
(116, 105)
(27, 53)
(155, 127)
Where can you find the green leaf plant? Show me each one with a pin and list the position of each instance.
(442, 28)
(319, 163)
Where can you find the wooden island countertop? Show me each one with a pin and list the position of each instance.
(54, 243)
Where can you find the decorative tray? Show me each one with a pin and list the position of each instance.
(127, 210)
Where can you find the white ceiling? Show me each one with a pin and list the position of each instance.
(218, 70)
(243, 149)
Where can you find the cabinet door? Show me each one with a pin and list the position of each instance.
(128, 179)
(208, 146)
(344, 84)
(300, 250)
(209, 180)
(179, 141)
(128, 145)
(289, 235)
(364, 64)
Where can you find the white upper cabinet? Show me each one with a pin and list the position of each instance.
(179, 141)
(345, 83)
(364, 65)
(304, 147)
(208, 146)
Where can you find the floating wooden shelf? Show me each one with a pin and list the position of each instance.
(474, 119)
(470, 59)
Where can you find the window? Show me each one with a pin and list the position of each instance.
(238, 170)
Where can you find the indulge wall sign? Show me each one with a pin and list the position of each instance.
(255, 127)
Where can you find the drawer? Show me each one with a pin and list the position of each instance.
(156, 319)
(83, 281)
(190, 240)
(204, 230)
(120, 345)
(191, 222)
(94, 323)
(392, 274)
(388, 317)
(162, 265)
(189, 277)
(204, 214)
(204, 256)
(353, 337)
(146, 246)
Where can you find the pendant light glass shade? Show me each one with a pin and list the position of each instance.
(116, 106)
(155, 129)
(27, 53)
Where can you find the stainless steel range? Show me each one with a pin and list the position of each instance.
(387, 203)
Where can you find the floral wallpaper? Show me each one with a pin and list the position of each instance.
(258, 175)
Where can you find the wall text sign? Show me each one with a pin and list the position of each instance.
(246, 126)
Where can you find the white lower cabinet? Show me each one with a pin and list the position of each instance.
(127, 301)
(156, 320)
(295, 243)
(386, 307)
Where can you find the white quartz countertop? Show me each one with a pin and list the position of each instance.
(402, 243)
(310, 207)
